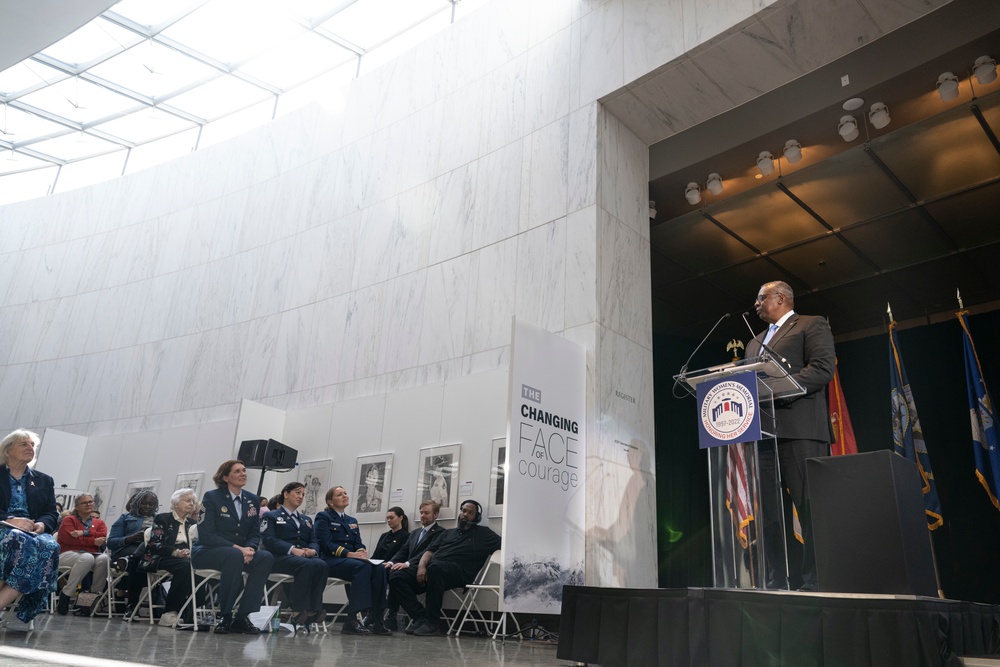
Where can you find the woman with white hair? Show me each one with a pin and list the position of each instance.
(169, 549)
(29, 555)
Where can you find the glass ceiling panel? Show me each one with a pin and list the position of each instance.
(268, 45)
(368, 24)
(95, 39)
(78, 100)
(27, 74)
(251, 27)
(219, 97)
(153, 70)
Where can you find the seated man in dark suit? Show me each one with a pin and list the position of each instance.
(228, 541)
(409, 554)
(453, 560)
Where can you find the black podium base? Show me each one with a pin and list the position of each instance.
(616, 627)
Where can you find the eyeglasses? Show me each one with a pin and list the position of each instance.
(762, 299)
(86, 502)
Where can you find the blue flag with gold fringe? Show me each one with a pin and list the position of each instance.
(984, 433)
(907, 437)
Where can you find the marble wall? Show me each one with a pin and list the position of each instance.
(377, 242)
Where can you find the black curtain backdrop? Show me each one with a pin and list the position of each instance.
(966, 546)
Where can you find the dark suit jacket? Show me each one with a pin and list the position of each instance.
(806, 342)
(219, 526)
(411, 551)
(389, 543)
(279, 533)
(40, 494)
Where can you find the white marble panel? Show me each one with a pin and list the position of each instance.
(350, 177)
(413, 221)
(228, 224)
(376, 236)
(84, 389)
(10, 323)
(363, 332)
(239, 308)
(461, 115)
(748, 64)
(414, 149)
(547, 18)
(55, 407)
(259, 356)
(214, 364)
(623, 180)
(212, 296)
(498, 195)
(93, 270)
(624, 280)
(401, 322)
(166, 375)
(363, 110)
(110, 387)
(495, 275)
(326, 342)
(582, 158)
(37, 317)
(653, 35)
(503, 105)
(33, 391)
(156, 311)
(263, 210)
(74, 338)
(290, 365)
(506, 36)
(602, 54)
(52, 261)
(445, 317)
(466, 52)
(12, 383)
(705, 19)
(122, 255)
(130, 315)
(272, 277)
(53, 329)
(541, 276)
(548, 192)
(674, 100)
(815, 34)
(23, 276)
(307, 249)
(336, 266)
(454, 214)
(889, 15)
(183, 310)
(547, 80)
(582, 251)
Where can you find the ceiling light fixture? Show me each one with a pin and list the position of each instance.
(652, 210)
(714, 184)
(765, 162)
(947, 86)
(985, 70)
(848, 128)
(879, 115)
(793, 151)
(692, 193)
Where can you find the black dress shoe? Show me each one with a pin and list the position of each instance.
(391, 623)
(353, 627)
(427, 629)
(300, 622)
(242, 625)
(62, 606)
(378, 628)
(224, 626)
(412, 627)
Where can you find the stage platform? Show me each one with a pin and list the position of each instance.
(708, 627)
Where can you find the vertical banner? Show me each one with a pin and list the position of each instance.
(544, 510)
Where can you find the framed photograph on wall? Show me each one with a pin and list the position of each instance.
(316, 476)
(437, 478)
(372, 475)
(498, 478)
(143, 485)
(188, 480)
(101, 490)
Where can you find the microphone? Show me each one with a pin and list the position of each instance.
(685, 366)
(761, 341)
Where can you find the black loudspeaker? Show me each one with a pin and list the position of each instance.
(869, 527)
(267, 453)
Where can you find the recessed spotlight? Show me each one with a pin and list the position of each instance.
(848, 128)
(947, 86)
(985, 70)
(714, 184)
(692, 193)
(793, 151)
(879, 115)
(765, 162)
(853, 103)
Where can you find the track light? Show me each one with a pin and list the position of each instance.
(765, 162)
(985, 70)
(879, 115)
(714, 184)
(947, 86)
(652, 210)
(793, 151)
(848, 128)
(692, 193)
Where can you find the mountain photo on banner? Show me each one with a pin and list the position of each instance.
(984, 433)
(907, 437)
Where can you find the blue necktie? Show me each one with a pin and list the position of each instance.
(770, 333)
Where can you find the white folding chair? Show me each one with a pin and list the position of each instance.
(331, 583)
(153, 579)
(273, 581)
(209, 578)
(108, 596)
(54, 595)
(469, 605)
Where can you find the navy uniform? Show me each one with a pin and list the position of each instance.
(281, 531)
(221, 527)
(337, 535)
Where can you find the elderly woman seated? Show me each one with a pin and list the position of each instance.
(169, 549)
(81, 540)
(125, 541)
(29, 555)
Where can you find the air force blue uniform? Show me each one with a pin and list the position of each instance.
(281, 531)
(338, 535)
(221, 527)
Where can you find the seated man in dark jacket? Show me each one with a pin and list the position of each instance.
(453, 560)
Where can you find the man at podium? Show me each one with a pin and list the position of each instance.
(804, 344)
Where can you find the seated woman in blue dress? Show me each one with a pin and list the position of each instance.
(29, 555)
(341, 547)
(289, 536)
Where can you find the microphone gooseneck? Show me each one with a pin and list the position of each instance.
(710, 331)
(763, 345)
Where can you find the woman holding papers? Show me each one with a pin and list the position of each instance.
(29, 555)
